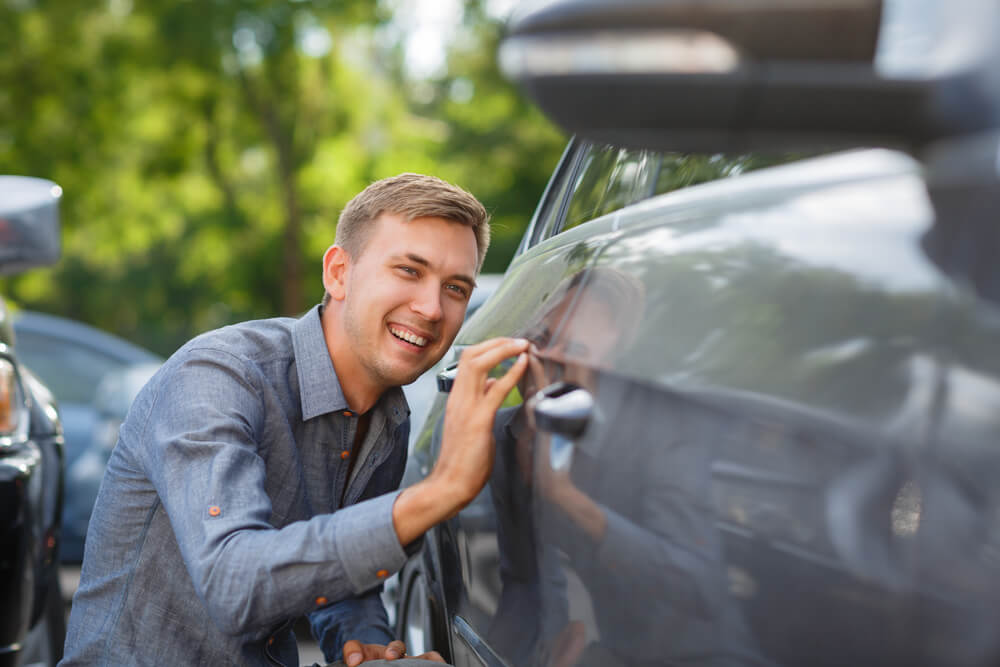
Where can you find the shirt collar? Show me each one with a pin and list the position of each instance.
(319, 386)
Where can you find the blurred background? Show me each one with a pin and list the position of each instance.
(206, 148)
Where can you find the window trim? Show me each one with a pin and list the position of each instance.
(569, 167)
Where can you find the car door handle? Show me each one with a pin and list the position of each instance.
(446, 378)
(563, 409)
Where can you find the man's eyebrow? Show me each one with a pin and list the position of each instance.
(417, 259)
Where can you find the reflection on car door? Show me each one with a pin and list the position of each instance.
(755, 464)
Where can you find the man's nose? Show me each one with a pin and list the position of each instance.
(427, 303)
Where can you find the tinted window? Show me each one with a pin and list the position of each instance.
(603, 179)
(608, 179)
(679, 170)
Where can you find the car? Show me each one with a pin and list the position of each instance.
(73, 359)
(761, 417)
(32, 624)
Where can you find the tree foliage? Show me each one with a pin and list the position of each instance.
(206, 148)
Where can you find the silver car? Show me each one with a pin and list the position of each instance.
(761, 423)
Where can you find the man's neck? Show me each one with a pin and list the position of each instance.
(360, 393)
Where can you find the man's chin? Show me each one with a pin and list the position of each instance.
(402, 377)
(404, 373)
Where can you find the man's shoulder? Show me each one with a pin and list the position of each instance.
(253, 342)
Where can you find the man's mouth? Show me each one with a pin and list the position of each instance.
(409, 337)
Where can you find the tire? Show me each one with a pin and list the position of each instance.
(414, 620)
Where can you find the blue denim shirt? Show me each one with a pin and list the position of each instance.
(227, 509)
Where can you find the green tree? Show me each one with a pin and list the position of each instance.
(206, 148)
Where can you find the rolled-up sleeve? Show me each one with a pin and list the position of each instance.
(201, 446)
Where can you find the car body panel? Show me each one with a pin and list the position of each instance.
(795, 413)
(31, 476)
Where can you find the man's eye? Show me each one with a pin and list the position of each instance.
(408, 270)
(458, 289)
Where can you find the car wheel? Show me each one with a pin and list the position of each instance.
(415, 622)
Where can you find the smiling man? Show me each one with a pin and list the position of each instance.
(254, 478)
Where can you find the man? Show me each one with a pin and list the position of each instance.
(253, 480)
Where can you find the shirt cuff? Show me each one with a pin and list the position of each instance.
(367, 543)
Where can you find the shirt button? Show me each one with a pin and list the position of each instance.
(320, 601)
(382, 574)
(344, 454)
(214, 510)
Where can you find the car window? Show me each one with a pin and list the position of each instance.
(602, 179)
(680, 170)
(608, 179)
(72, 372)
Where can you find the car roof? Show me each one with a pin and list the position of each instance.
(76, 333)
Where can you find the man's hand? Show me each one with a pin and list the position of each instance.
(356, 653)
(466, 458)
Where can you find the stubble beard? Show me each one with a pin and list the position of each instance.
(369, 356)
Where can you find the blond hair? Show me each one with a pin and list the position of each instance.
(411, 196)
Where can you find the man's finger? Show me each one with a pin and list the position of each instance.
(473, 351)
(473, 368)
(488, 354)
(395, 649)
(502, 386)
(353, 652)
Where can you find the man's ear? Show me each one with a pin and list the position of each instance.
(336, 263)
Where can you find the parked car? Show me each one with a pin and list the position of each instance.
(761, 422)
(73, 359)
(32, 626)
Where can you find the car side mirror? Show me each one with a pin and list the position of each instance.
(29, 223)
(772, 75)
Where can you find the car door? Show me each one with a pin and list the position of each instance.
(577, 216)
(729, 469)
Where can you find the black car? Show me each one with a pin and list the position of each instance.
(94, 376)
(32, 625)
(761, 423)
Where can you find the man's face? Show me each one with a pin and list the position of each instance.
(406, 295)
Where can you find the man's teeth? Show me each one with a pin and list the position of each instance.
(408, 337)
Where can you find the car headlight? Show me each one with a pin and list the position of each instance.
(13, 412)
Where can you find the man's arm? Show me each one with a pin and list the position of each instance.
(465, 460)
(199, 447)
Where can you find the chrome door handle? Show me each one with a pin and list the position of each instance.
(446, 378)
(563, 409)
